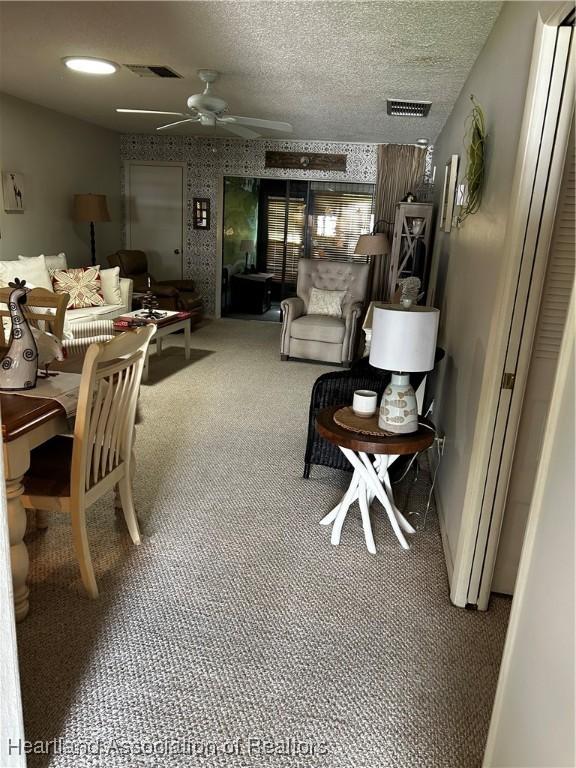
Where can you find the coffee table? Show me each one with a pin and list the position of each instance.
(370, 479)
(172, 322)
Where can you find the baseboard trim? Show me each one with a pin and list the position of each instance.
(444, 535)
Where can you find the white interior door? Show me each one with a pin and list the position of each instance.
(552, 315)
(155, 216)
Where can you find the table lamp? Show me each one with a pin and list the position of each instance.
(403, 341)
(246, 247)
(93, 209)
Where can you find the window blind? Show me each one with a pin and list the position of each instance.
(339, 215)
(295, 239)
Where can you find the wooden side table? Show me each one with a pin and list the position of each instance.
(252, 293)
(370, 479)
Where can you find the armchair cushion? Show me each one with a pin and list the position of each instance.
(326, 302)
(318, 328)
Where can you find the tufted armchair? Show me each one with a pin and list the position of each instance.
(323, 337)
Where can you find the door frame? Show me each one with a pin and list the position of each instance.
(538, 176)
(126, 199)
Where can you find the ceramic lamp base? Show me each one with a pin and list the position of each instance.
(399, 409)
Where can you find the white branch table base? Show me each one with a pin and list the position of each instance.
(370, 479)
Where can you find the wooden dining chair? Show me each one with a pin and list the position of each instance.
(43, 309)
(69, 474)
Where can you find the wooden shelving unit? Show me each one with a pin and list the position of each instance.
(412, 227)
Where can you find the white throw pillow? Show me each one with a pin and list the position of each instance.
(326, 302)
(55, 261)
(32, 270)
(111, 285)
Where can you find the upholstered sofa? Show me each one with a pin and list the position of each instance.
(324, 337)
(117, 291)
(176, 295)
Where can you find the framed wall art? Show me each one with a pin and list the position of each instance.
(201, 212)
(449, 193)
(13, 190)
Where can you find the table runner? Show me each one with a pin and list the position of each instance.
(63, 387)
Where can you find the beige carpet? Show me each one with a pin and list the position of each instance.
(236, 620)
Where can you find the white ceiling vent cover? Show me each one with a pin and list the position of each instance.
(404, 108)
(152, 70)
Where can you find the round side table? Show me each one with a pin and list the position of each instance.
(370, 479)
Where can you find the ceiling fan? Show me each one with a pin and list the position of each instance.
(210, 111)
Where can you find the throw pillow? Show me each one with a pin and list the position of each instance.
(33, 270)
(83, 285)
(326, 302)
(111, 285)
(56, 261)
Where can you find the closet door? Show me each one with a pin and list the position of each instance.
(558, 286)
(155, 216)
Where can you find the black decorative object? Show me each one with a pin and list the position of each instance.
(150, 306)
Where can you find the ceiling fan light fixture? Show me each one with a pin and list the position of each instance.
(89, 65)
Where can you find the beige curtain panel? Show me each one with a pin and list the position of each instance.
(400, 170)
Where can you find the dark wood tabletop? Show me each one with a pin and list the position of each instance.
(21, 414)
(356, 441)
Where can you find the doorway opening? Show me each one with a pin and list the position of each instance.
(270, 224)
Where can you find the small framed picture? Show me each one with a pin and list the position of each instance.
(201, 212)
(13, 190)
(449, 193)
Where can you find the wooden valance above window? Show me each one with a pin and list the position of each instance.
(306, 161)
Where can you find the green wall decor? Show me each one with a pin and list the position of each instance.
(240, 217)
(475, 152)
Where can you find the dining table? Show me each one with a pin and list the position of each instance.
(27, 422)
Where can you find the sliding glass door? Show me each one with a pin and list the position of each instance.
(289, 219)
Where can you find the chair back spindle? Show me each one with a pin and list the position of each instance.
(106, 410)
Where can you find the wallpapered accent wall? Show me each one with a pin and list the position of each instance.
(208, 160)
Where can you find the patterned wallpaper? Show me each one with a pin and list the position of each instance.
(208, 160)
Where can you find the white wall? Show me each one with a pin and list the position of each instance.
(469, 259)
(534, 717)
(59, 156)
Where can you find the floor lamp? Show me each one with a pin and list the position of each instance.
(375, 247)
(93, 209)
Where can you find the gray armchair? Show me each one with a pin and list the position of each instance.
(322, 337)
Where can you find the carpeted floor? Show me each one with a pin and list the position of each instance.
(236, 635)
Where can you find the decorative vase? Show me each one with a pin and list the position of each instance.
(19, 367)
(399, 409)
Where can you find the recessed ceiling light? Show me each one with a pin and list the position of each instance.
(423, 142)
(90, 66)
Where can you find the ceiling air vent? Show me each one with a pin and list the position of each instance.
(151, 70)
(403, 108)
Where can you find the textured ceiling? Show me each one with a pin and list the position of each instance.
(325, 67)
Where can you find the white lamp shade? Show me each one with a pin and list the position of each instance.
(404, 339)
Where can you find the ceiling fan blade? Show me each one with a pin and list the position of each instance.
(271, 125)
(239, 130)
(178, 122)
(149, 112)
